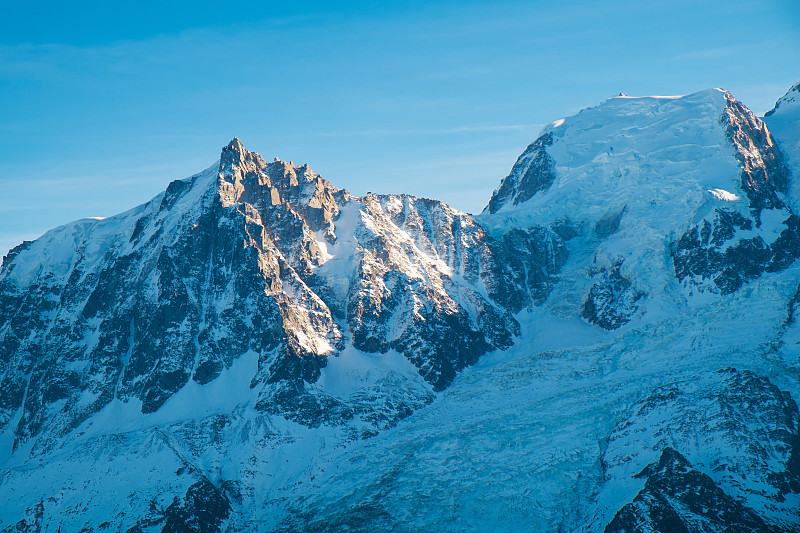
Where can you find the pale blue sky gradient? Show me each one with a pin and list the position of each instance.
(101, 106)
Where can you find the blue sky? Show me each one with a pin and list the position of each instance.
(102, 105)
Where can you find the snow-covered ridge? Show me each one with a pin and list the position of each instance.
(784, 123)
(54, 253)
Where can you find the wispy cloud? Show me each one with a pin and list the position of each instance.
(708, 54)
(430, 131)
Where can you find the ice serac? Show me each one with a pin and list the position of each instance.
(698, 179)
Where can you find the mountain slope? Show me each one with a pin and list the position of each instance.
(783, 121)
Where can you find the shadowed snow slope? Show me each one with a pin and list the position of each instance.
(612, 345)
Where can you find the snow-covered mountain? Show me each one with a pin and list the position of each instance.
(611, 345)
(700, 173)
(783, 121)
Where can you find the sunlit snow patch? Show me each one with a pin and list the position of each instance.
(722, 194)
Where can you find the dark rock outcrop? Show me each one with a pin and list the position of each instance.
(748, 477)
(533, 172)
(716, 252)
(613, 300)
(678, 498)
(764, 173)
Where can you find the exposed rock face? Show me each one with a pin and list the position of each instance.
(180, 288)
(612, 300)
(533, 172)
(411, 282)
(536, 256)
(718, 252)
(732, 248)
(403, 300)
(202, 510)
(609, 223)
(764, 174)
(751, 466)
(678, 498)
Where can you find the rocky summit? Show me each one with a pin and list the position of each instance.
(612, 345)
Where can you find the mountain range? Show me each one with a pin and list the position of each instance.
(611, 345)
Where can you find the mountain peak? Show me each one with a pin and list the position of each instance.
(233, 153)
(236, 163)
(235, 144)
(642, 170)
(783, 121)
(628, 138)
(791, 96)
